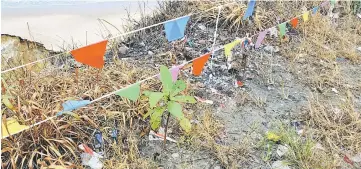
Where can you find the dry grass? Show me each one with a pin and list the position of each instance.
(208, 135)
(57, 141)
(302, 151)
(338, 126)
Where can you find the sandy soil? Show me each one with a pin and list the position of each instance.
(59, 26)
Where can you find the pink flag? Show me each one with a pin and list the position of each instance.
(324, 3)
(260, 38)
(174, 71)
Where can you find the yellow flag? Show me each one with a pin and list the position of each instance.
(305, 16)
(228, 47)
(12, 127)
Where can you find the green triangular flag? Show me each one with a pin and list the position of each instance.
(282, 27)
(131, 92)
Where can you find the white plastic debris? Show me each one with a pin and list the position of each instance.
(90, 158)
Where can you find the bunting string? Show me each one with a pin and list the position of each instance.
(117, 36)
(146, 79)
(215, 34)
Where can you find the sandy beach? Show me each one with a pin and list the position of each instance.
(60, 24)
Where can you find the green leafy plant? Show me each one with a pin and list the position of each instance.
(168, 101)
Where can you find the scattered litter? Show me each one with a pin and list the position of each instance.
(175, 155)
(359, 15)
(98, 139)
(195, 121)
(282, 150)
(157, 136)
(280, 165)
(203, 100)
(356, 158)
(90, 158)
(89, 151)
(239, 83)
(334, 90)
(347, 160)
(92, 161)
(114, 135)
(202, 27)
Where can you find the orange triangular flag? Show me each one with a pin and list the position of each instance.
(294, 22)
(199, 63)
(92, 55)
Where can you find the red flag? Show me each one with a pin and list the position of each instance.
(92, 55)
(199, 63)
(294, 22)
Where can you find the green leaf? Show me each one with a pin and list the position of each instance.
(154, 98)
(156, 117)
(185, 124)
(147, 93)
(175, 109)
(184, 99)
(178, 87)
(166, 79)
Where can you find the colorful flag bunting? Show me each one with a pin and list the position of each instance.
(294, 22)
(228, 47)
(250, 9)
(260, 38)
(314, 10)
(199, 63)
(175, 29)
(305, 16)
(12, 127)
(282, 28)
(71, 105)
(92, 55)
(174, 72)
(131, 92)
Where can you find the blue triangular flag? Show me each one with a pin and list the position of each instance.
(314, 10)
(175, 29)
(72, 105)
(249, 10)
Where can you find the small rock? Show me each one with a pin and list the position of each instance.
(142, 44)
(217, 167)
(202, 27)
(280, 165)
(359, 15)
(188, 49)
(359, 48)
(282, 150)
(150, 53)
(123, 50)
(175, 155)
(334, 90)
(271, 49)
(202, 42)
